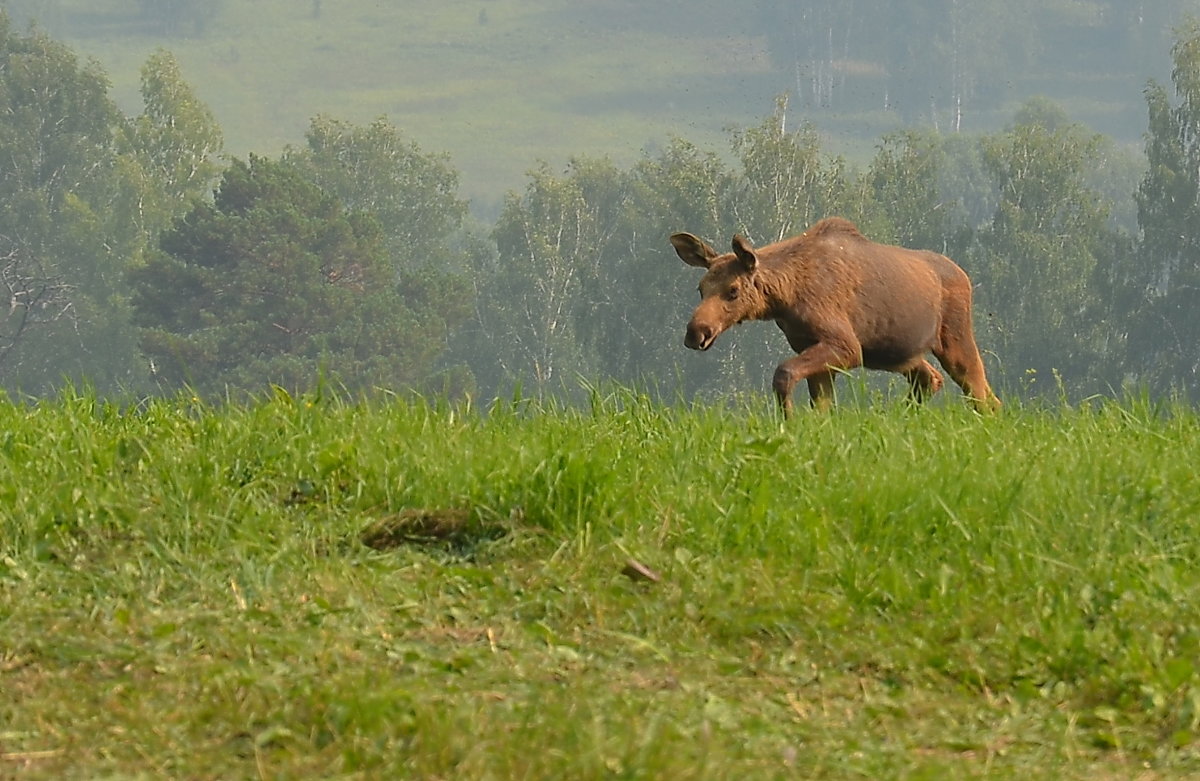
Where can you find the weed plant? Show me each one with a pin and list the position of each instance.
(880, 592)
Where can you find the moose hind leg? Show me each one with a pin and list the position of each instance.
(959, 355)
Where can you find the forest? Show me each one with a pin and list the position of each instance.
(140, 256)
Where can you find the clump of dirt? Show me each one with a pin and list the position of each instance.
(455, 527)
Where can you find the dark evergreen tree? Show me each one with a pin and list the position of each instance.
(413, 195)
(276, 282)
(1164, 335)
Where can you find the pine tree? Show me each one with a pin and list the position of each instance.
(1164, 341)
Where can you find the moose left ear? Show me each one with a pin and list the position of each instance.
(745, 253)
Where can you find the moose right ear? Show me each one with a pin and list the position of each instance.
(693, 251)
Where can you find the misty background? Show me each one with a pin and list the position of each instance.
(464, 197)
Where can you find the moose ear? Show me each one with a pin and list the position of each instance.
(693, 251)
(745, 253)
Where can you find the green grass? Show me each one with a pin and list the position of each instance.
(881, 592)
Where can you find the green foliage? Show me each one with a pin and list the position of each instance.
(1037, 261)
(682, 188)
(907, 182)
(582, 264)
(176, 140)
(373, 169)
(1165, 347)
(786, 185)
(569, 290)
(413, 196)
(63, 245)
(880, 593)
(575, 276)
(275, 282)
(548, 243)
(688, 187)
(85, 193)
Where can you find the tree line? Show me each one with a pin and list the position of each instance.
(138, 259)
(936, 60)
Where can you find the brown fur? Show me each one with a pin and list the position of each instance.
(842, 301)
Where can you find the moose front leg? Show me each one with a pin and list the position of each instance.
(817, 364)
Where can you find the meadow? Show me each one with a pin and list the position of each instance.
(628, 587)
(499, 86)
(502, 85)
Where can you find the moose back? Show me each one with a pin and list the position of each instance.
(842, 301)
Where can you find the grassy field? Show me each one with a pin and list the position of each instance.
(187, 591)
(498, 85)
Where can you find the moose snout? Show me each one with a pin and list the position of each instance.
(699, 337)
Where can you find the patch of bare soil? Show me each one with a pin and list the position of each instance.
(453, 526)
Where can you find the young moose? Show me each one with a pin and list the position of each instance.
(842, 301)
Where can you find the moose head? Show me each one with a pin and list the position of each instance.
(729, 292)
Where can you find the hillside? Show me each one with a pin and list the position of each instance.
(501, 84)
(496, 85)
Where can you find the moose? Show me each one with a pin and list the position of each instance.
(842, 301)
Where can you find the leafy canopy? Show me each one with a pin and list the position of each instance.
(276, 281)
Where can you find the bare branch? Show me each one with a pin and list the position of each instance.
(36, 297)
